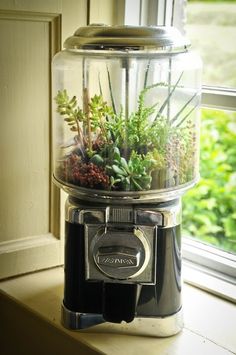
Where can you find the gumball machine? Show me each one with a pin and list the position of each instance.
(126, 147)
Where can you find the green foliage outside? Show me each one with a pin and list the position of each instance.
(209, 212)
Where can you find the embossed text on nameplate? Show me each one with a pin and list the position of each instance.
(118, 261)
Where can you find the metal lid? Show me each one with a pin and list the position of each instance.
(103, 37)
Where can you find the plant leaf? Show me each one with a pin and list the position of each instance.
(146, 74)
(168, 98)
(182, 109)
(118, 170)
(186, 116)
(111, 92)
(124, 163)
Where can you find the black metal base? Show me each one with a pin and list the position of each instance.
(159, 300)
(91, 302)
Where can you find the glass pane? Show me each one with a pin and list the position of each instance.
(126, 123)
(211, 27)
(209, 212)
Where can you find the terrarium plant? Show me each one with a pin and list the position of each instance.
(146, 150)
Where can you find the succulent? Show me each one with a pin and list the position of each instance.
(70, 110)
(132, 175)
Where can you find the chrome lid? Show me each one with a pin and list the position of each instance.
(151, 38)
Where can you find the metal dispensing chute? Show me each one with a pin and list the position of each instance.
(126, 147)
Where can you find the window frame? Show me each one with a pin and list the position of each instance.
(217, 268)
(219, 264)
(219, 98)
(216, 262)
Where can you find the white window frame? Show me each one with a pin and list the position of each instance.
(205, 266)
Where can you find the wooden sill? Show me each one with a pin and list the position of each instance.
(30, 318)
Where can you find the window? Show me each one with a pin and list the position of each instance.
(211, 27)
(210, 209)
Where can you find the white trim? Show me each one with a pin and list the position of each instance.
(212, 282)
(132, 12)
(214, 259)
(152, 12)
(219, 98)
(163, 12)
(160, 14)
(209, 268)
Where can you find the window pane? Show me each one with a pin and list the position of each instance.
(209, 212)
(211, 27)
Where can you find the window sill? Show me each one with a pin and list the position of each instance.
(30, 312)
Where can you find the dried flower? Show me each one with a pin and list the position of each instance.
(90, 175)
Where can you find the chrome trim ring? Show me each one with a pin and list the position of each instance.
(145, 326)
(125, 197)
(150, 215)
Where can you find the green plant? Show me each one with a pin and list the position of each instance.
(131, 175)
(71, 112)
(146, 150)
(209, 211)
(138, 125)
(99, 112)
(93, 118)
